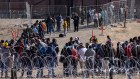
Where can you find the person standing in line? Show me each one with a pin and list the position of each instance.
(40, 30)
(55, 48)
(52, 51)
(53, 19)
(71, 42)
(43, 28)
(96, 19)
(65, 53)
(68, 22)
(109, 41)
(81, 55)
(65, 25)
(50, 25)
(90, 58)
(58, 20)
(47, 28)
(76, 22)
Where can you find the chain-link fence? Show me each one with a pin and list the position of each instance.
(13, 16)
(81, 11)
(11, 11)
(137, 11)
(21, 13)
(106, 14)
(134, 8)
(112, 12)
(43, 11)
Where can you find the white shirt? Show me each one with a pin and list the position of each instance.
(96, 16)
(99, 15)
(122, 10)
(35, 30)
(111, 9)
(43, 44)
(81, 52)
(90, 52)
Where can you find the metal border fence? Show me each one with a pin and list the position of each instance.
(85, 12)
(112, 12)
(43, 11)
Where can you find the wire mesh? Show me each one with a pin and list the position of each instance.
(43, 11)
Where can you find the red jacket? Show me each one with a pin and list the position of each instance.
(74, 53)
(128, 50)
(20, 49)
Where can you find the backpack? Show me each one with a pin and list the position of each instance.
(61, 35)
(51, 50)
(42, 51)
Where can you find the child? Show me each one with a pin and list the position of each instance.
(65, 25)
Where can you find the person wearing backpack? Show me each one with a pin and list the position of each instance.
(65, 53)
(42, 47)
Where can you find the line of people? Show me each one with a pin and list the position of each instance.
(51, 23)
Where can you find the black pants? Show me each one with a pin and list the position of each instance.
(76, 27)
(58, 26)
(95, 23)
(100, 22)
(65, 69)
(74, 64)
(89, 66)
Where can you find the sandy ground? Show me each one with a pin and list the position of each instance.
(117, 34)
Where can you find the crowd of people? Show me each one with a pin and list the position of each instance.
(56, 24)
(33, 51)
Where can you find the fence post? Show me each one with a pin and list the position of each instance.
(125, 18)
(13, 69)
(111, 74)
(87, 15)
(66, 11)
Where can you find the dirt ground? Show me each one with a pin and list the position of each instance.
(117, 34)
